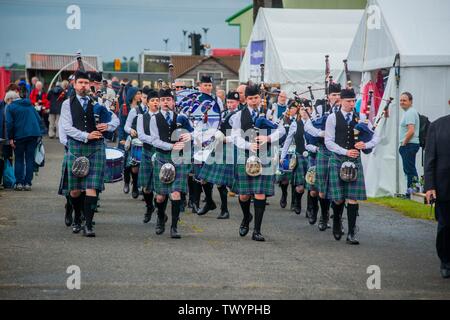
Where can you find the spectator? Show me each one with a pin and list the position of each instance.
(34, 81)
(437, 185)
(409, 140)
(70, 89)
(55, 97)
(39, 99)
(24, 128)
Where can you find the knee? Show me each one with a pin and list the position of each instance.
(260, 196)
(176, 195)
(300, 189)
(313, 193)
(91, 192)
(244, 198)
(75, 193)
(352, 201)
(339, 202)
(160, 198)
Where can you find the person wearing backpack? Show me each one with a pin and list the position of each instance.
(409, 139)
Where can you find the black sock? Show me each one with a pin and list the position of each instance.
(260, 206)
(190, 188)
(338, 209)
(77, 207)
(309, 202)
(223, 192)
(315, 203)
(293, 196)
(245, 206)
(161, 206)
(352, 212)
(69, 202)
(89, 205)
(208, 188)
(127, 175)
(284, 188)
(298, 201)
(324, 207)
(175, 212)
(197, 192)
(134, 177)
(148, 198)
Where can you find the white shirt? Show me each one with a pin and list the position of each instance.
(330, 135)
(236, 131)
(130, 118)
(290, 139)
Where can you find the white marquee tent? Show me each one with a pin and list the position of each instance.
(294, 45)
(417, 33)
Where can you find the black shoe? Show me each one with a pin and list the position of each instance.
(208, 207)
(312, 217)
(68, 218)
(174, 233)
(76, 228)
(190, 204)
(283, 201)
(160, 228)
(88, 232)
(135, 192)
(147, 217)
(337, 229)
(195, 207)
(126, 188)
(257, 236)
(351, 239)
(298, 209)
(445, 270)
(323, 225)
(224, 214)
(244, 228)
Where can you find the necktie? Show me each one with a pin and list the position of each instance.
(348, 118)
(85, 103)
(169, 121)
(254, 115)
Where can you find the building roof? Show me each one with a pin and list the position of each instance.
(51, 61)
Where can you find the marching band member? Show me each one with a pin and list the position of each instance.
(246, 186)
(146, 169)
(222, 173)
(162, 127)
(296, 135)
(323, 154)
(345, 184)
(84, 140)
(134, 97)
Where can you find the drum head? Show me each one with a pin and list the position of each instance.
(113, 153)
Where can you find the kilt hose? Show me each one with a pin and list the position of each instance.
(300, 171)
(322, 162)
(340, 190)
(311, 163)
(181, 175)
(95, 152)
(221, 174)
(145, 178)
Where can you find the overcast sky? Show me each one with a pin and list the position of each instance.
(112, 28)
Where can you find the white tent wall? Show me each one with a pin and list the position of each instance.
(297, 41)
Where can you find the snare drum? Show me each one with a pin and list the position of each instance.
(136, 152)
(114, 165)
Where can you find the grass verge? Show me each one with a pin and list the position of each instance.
(408, 208)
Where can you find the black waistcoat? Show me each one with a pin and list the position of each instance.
(83, 121)
(225, 124)
(146, 122)
(344, 135)
(299, 138)
(165, 131)
(139, 111)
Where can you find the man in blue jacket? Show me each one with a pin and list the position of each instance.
(24, 128)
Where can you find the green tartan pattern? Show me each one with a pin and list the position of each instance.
(300, 171)
(283, 176)
(311, 163)
(221, 174)
(340, 190)
(246, 185)
(322, 159)
(95, 151)
(181, 175)
(145, 178)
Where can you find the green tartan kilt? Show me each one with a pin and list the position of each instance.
(247, 185)
(340, 190)
(284, 176)
(221, 174)
(95, 152)
(300, 171)
(145, 178)
(322, 159)
(311, 163)
(181, 175)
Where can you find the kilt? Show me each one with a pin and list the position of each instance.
(340, 190)
(300, 171)
(145, 178)
(283, 176)
(95, 151)
(311, 163)
(322, 159)
(181, 175)
(221, 174)
(246, 185)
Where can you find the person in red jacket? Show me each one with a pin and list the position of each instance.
(39, 99)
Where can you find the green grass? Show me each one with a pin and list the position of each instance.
(408, 208)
